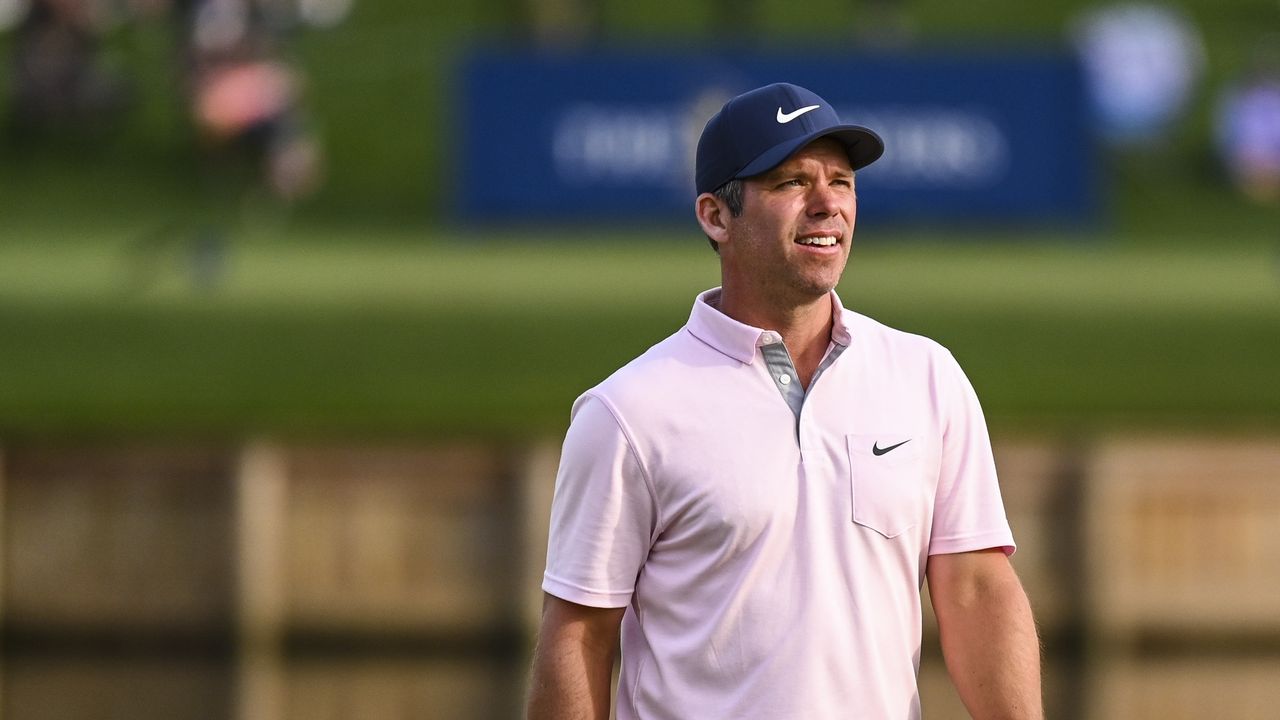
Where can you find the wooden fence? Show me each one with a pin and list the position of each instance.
(277, 581)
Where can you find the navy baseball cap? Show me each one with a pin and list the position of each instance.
(757, 130)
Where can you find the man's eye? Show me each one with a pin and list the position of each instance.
(794, 182)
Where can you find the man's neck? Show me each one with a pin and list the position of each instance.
(805, 327)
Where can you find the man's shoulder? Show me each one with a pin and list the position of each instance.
(662, 365)
(869, 331)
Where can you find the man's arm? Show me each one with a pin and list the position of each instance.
(988, 635)
(573, 662)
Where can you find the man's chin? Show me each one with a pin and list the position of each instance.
(818, 287)
(812, 292)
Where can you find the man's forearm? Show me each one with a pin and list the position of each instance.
(573, 663)
(989, 640)
(569, 683)
(993, 656)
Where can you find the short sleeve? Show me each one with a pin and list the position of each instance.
(968, 512)
(602, 514)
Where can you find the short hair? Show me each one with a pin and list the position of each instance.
(730, 194)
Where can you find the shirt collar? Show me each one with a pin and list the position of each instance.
(739, 340)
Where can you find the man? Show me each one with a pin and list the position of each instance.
(754, 503)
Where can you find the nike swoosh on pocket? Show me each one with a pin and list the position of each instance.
(785, 118)
(878, 451)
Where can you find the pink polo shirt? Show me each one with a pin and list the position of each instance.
(770, 544)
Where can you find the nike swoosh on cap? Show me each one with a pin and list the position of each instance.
(785, 118)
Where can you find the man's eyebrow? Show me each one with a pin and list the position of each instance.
(782, 171)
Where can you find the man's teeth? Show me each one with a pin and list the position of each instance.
(822, 241)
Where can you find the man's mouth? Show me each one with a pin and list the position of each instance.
(818, 240)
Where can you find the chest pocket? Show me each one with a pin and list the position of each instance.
(887, 482)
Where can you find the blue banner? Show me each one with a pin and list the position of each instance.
(984, 136)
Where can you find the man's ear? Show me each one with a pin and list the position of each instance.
(713, 216)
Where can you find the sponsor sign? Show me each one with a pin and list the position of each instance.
(983, 136)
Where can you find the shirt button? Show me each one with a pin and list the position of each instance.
(785, 379)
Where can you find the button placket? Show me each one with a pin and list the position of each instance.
(782, 371)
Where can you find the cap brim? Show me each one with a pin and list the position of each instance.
(862, 144)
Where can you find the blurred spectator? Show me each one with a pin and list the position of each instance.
(1141, 64)
(1248, 127)
(245, 103)
(57, 76)
(245, 97)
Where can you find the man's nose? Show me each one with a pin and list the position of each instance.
(822, 200)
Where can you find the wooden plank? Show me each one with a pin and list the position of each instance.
(399, 689)
(1185, 688)
(91, 688)
(119, 539)
(395, 540)
(537, 483)
(261, 502)
(1180, 533)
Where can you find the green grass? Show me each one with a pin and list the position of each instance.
(353, 317)
(334, 332)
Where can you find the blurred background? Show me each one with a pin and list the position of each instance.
(286, 288)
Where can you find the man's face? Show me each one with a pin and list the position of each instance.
(792, 240)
